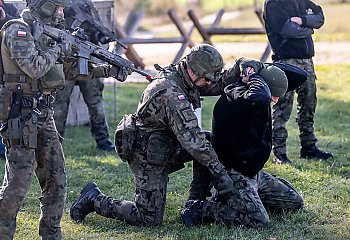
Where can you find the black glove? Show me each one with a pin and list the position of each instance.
(119, 73)
(224, 184)
(245, 63)
(103, 39)
(66, 49)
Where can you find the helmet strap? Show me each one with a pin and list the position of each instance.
(182, 67)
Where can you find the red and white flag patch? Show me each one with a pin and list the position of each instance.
(21, 33)
(181, 97)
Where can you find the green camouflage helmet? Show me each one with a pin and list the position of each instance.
(205, 61)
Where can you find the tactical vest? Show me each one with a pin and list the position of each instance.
(12, 74)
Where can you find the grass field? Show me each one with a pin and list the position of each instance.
(325, 185)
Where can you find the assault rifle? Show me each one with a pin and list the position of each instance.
(77, 15)
(82, 49)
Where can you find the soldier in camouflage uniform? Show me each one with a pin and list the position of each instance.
(8, 11)
(31, 70)
(289, 25)
(165, 121)
(91, 90)
(242, 139)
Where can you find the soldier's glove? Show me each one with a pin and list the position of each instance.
(222, 181)
(119, 73)
(245, 63)
(55, 50)
(66, 48)
(103, 39)
(224, 184)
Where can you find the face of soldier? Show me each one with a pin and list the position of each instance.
(203, 82)
(58, 15)
(199, 82)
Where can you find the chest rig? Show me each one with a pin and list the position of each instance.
(13, 75)
(23, 99)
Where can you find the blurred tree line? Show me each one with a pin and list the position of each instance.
(159, 7)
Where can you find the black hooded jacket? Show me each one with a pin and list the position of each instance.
(242, 126)
(287, 38)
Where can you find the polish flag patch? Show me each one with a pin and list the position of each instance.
(181, 97)
(21, 33)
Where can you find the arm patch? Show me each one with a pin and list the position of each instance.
(19, 40)
(187, 119)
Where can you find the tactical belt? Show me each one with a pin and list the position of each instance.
(39, 101)
(16, 78)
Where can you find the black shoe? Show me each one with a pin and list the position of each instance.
(314, 152)
(85, 203)
(106, 146)
(192, 215)
(281, 159)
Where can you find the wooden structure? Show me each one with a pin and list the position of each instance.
(207, 33)
(183, 39)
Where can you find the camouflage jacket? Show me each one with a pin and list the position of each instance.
(33, 57)
(22, 55)
(166, 105)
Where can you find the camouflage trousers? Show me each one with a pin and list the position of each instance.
(47, 163)
(252, 195)
(306, 106)
(92, 93)
(151, 166)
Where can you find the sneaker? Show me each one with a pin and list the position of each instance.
(314, 152)
(281, 159)
(85, 203)
(106, 146)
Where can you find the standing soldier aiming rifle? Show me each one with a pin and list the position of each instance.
(31, 71)
(82, 13)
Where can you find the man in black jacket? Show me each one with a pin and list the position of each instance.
(289, 25)
(242, 139)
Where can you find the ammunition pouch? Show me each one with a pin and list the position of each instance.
(15, 131)
(161, 148)
(5, 103)
(53, 79)
(20, 134)
(30, 133)
(125, 137)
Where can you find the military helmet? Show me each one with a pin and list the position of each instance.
(276, 79)
(205, 61)
(46, 8)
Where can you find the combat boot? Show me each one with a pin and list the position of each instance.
(85, 203)
(106, 146)
(281, 159)
(314, 152)
(192, 215)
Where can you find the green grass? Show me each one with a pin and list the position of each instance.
(325, 185)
